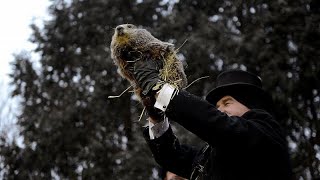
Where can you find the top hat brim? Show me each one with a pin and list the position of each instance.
(244, 89)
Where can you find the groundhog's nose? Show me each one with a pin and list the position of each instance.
(120, 29)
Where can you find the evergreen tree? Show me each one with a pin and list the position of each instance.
(69, 126)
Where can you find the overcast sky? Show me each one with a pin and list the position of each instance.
(15, 18)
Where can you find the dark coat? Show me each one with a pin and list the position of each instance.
(251, 147)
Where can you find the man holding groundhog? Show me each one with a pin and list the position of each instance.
(244, 141)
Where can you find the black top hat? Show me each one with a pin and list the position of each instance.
(238, 83)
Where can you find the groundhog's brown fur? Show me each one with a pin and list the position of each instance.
(130, 44)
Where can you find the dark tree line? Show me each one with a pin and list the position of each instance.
(71, 130)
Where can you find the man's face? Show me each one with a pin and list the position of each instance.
(172, 176)
(231, 106)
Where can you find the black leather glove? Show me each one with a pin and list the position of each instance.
(146, 72)
(156, 114)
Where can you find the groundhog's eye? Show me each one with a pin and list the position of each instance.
(129, 26)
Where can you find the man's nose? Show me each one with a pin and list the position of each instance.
(220, 109)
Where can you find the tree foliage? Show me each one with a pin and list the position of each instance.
(71, 130)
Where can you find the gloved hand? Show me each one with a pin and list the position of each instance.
(146, 72)
(156, 114)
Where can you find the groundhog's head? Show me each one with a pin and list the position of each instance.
(123, 33)
(124, 29)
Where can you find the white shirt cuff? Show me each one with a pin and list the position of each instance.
(158, 129)
(166, 93)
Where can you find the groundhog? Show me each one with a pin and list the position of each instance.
(130, 44)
